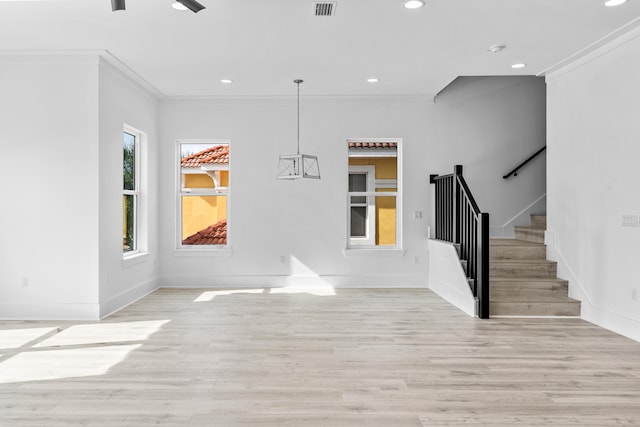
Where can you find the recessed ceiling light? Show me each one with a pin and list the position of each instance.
(612, 3)
(413, 4)
(226, 81)
(373, 80)
(519, 65)
(497, 48)
(178, 6)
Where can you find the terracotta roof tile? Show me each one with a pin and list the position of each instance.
(373, 145)
(215, 234)
(218, 155)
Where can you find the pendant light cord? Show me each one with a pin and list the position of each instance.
(298, 83)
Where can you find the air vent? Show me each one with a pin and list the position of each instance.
(324, 8)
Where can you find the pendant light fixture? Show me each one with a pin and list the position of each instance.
(294, 166)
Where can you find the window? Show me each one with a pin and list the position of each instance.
(362, 208)
(130, 191)
(374, 196)
(203, 192)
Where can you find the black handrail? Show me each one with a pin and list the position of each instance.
(514, 172)
(460, 221)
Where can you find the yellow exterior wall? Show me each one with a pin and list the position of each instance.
(386, 168)
(199, 212)
(386, 219)
(224, 178)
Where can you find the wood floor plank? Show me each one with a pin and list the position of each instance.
(402, 357)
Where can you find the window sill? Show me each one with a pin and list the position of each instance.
(374, 252)
(134, 259)
(208, 252)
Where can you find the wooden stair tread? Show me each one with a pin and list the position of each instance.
(499, 308)
(533, 280)
(530, 227)
(522, 261)
(534, 297)
(532, 234)
(513, 242)
(516, 249)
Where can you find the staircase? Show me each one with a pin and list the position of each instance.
(523, 281)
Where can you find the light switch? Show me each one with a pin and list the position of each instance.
(630, 221)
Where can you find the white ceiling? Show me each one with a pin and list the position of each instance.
(264, 44)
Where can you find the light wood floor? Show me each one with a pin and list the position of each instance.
(359, 358)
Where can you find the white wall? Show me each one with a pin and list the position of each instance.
(490, 125)
(475, 122)
(61, 122)
(593, 176)
(122, 101)
(304, 219)
(49, 176)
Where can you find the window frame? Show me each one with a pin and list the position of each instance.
(135, 193)
(356, 249)
(370, 203)
(182, 191)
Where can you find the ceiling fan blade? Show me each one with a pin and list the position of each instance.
(192, 5)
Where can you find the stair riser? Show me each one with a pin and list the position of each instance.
(536, 236)
(517, 252)
(539, 221)
(527, 291)
(534, 309)
(542, 284)
(528, 295)
(515, 270)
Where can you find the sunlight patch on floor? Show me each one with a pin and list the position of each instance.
(16, 338)
(311, 290)
(100, 333)
(210, 295)
(62, 363)
(312, 285)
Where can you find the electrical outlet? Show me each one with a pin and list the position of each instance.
(282, 259)
(417, 215)
(416, 259)
(634, 294)
(630, 221)
(24, 282)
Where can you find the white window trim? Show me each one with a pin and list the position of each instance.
(370, 238)
(140, 226)
(180, 190)
(381, 250)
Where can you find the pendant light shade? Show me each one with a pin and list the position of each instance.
(294, 166)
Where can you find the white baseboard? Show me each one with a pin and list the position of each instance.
(128, 297)
(589, 310)
(279, 281)
(49, 311)
(76, 311)
(614, 322)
